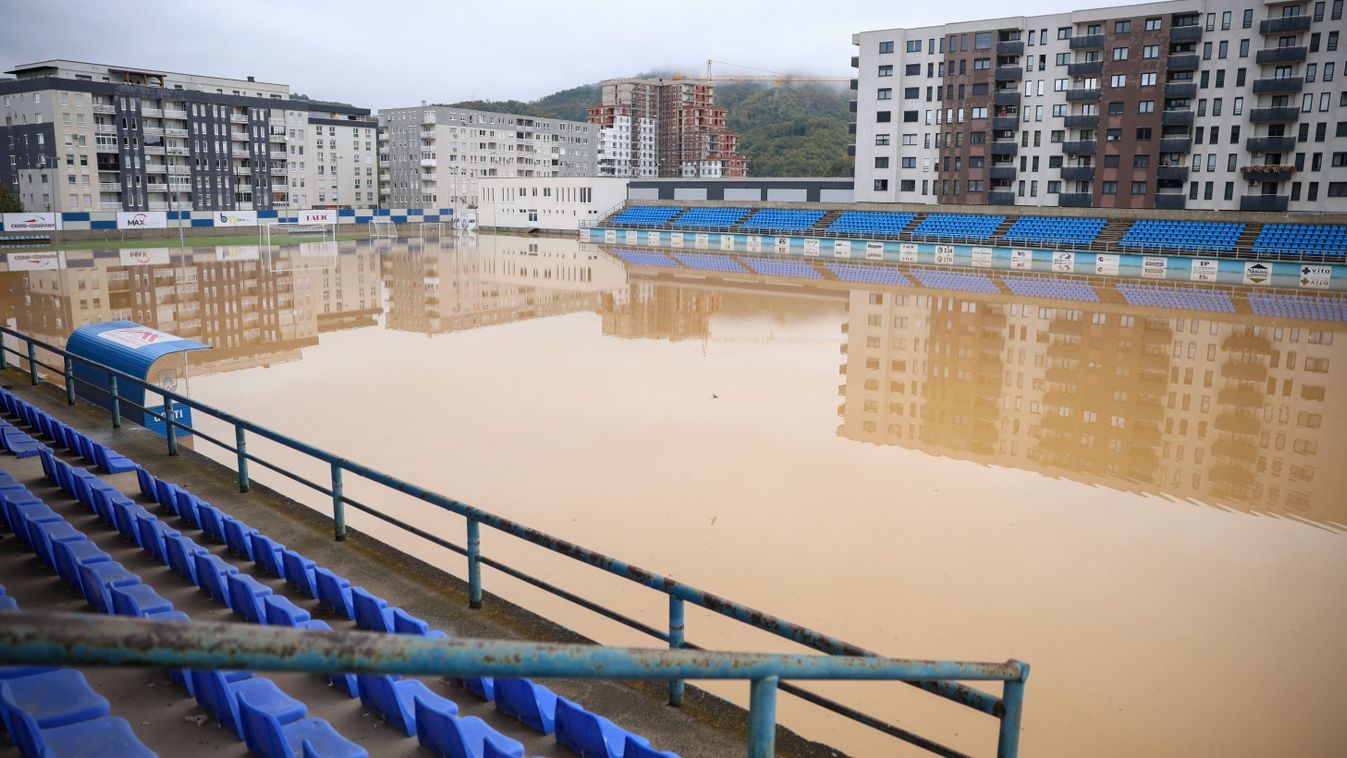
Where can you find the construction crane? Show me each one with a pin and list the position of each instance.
(774, 77)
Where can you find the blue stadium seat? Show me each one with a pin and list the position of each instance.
(644, 215)
(635, 749)
(1329, 240)
(1183, 235)
(406, 623)
(211, 572)
(394, 699)
(643, 258)
(71, 555)
(182, 553)
(1190, 298)
(955, 280)
(267, 554)
(971, 226)
(869, 274)
(268, 736)
(220, 697)
(334, 592)
(710, 262)
(102, 736)
(245, 597)
(52, 698)
(138, 601)
(781, 220)
(590, 734)
(1064, 230)
(238, 537)
(1308, 307)
(871, 223)
(146, 481)
(371, 611)
(98, 579)
(710, 218)
(1029, 286)
(211, 521)
(782, 267)
(299, 572)
(469, 737)
(531, 704)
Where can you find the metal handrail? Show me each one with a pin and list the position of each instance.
(1005, 708)
(90, 640)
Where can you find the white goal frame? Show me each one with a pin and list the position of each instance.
(380, 228)
(435, 228)
(285, 232)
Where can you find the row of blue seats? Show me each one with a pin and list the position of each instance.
(643, 258)
(782, 220)
(1160, 296)
(1029, 286)
(870, 222)
(710, 218)
(955, 280)
(1055, 229)
(397, 700)
(277, 725)
(710, 262)
(50, 711)
(644, 215)
(973, 226)
(1306, 307)
(1218, 236)
(1319, 239)
(782, 267)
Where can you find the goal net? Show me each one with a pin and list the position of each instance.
(383, 229)
(432, 229)
(287, 233)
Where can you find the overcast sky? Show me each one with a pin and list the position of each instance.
(448, 51)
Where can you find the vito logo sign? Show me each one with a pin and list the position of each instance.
(142, 220)
(31, 222)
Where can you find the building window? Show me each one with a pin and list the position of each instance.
(881, 185)
(885, 47)
(1117, 80)
(1153, 24)
(883, 117)
(885, 94)
(881, 139)
(1138, 188)
(1110, 188)
(1120, 53)
(1146, 106)
(1122, 27)
(886, 70)
(882, 162)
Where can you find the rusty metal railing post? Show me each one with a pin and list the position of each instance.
(474, 563)
(32, 361)
(762, 717)
(241, 448)
(1012, 699)
(676, 623)
(115, 402)
(4, 353)
(170, 431)
(338, 507)
(69, 372)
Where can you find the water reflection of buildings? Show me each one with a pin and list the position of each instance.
(494, 280)
(652, 310)
(1227, 410)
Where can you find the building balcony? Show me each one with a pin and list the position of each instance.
(170, 131)
(104, 109)
(1279, 84)
(1085, 68)
(429, 178)
(428, 134)
(1176, 118)
(1171, 201)
(176, 150)
(1284, 24)
(174, 114)
(109, 187)
(1010, 47)
(243, 171)
(1176, 145)
(855, 61)
(1281, 55)
(151, 112)
(1181, 90)
(1075, 200)
(105, 147)
(156, 187)
(240, 153)
(1270, 144)
(1005, 124)
(1001, 172)
(385, 190)
(1268, 173)
(1000, 198)
(238, 118)
(180, 170)
(1082, 121)
(279, 155)
(428, 163)
(110, 205)
(1270, 203)
(153, 131)
(1172, 173)
(1006, 97)
(105, 128)
(278, 172)
(1005, 148)
(1087, 42)
(1185, 62)
(1189, 33)
(1080, 147)
(1078, 95)
(155, 168)
(154, 149)
(1009, 73)
(1274, 115)
(1078, 173)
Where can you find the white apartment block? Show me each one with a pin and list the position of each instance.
(563, 204)
(1191, 104)
(435, 155)
(93, 137)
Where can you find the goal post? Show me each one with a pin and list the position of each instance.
(382, 228)
(431, 229)
(290, 233)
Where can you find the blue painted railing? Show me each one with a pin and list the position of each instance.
(1006, 708)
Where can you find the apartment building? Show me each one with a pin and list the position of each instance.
(434, 155)
(1219, 105)
(655, 128)
(1187, 405)
(93, 137)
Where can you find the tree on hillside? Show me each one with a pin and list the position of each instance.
(9, 201)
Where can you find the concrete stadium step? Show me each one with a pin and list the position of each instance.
(1113, 232)
(1248, 236)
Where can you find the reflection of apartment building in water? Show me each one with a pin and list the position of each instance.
(228, 298)
(434, 155)
(657, 128)
(508, 279)
(1214, 105)
(1221, 410)
(652, 310)
(346, 289)
(92, 137)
